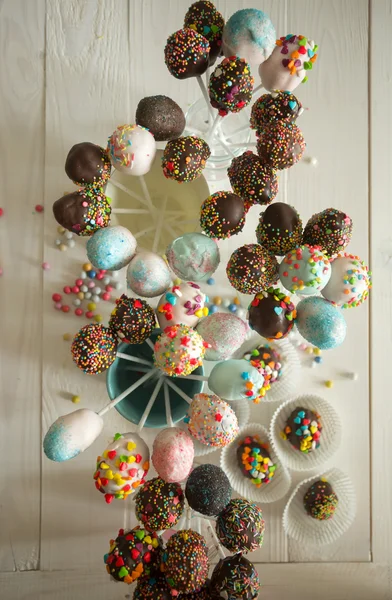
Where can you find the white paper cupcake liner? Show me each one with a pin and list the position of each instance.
(278, 486)
(329, 440)
(306, 530)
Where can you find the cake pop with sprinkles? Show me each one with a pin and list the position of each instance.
(172, 454)
(185, 562)
(203, 17)
(159, 505)
(272, 314)
(132, 320)
(249, 33)
(350, 281)
(83, 212)
(254, 182)
(240, 526)
(222, 215)
(303, 430)
(88, 164)
(331, 229)
(185, 158)
(152, 588)
(281, 145)
(179, 350)
(183, 304)
(305, 270)
(279, 229)
(208, 490)
(211, 420)
(269, 360)
(321, 323)
(187, 54)
(251, 268)
(123, 466)
(224, 332)
(254, 461)
(133, 554)
(274, 108)
(236, 380)
(132, 149)
(236, 577)
(162, 116)
(231, 85)
(193, 256)
(94, 348)
(320, 501)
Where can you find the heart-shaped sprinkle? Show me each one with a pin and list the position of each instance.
(292, 104)
(278, 310)
(310, 53)
(285, 62)
(284, 50)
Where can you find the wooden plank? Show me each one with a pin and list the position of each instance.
(21, 231)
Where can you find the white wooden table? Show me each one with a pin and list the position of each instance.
(72, 70)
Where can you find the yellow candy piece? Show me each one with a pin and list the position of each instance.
(154, 543)
(91, 306)
(283, 435)
(98, 318)
(109, 474)
(67, 337)
(104, 466)
(313, 429)
(199, 313)
(60, 229)
(316, 351)
(80, 295)
(131, 459)
(205, 311)
(329, 384)
(87, 267)
(131, 446)
(76, 399)
(148, 540)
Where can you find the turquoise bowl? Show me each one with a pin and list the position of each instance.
(119, 377)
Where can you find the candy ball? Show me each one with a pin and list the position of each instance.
(83, 212)
(133, 320)
(162, 116)
(274, 108)
(272, 314)
(231, 85)
(349, 283)
(111, 248)
(320, 501)
(235, 380)
(179, 350)
(133, 554)
(159, 505)
(193, 256)
(148, 274)
(279, 229)
(222, 215)
(321, 323)
(132, 149)
(240, 526)
(71, 434)
(172, 454)
(249, 33)
(88, 164)
(185, 562)
(211, 420)
(183, 304)
(224, 332)
(305, 270)
(236, 577)
(94, 349)
(281, 146)
(203, 17)
(187, 54)
(208, 490)
(251, 268)
(185, 158)
(331, 229)
(254, 182)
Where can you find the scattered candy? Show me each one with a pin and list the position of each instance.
(76, 399)
(328, 384)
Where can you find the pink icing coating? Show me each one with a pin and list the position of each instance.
(172, 454)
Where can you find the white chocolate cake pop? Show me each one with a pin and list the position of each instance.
(148, 274)
(349, 283)
(250, 34)
(184, 303)
(172, 454)
(71, 434)
(211, 420)
(132, 149)
(179, 350)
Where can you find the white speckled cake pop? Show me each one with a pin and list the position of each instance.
(184, 303)
(305, 270)
(179, 350)
(250, 34)
(224, 332)
(211, 420)
(193, 256)
(148, 274)
(132, 149)
(349, 283)
(236, 380)
(111, 248)
(71, 434)
(172, 454)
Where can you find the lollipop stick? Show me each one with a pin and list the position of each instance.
(150, 404)
(179, 391)
(188, 518)
(150, 343)
(124, 189)
(159, 225)
(135, 359)
(144, 231)
(244, 145)
(239, 130)
(125, 393)
(257, 89)
(225, 146)
(169, 419)
(170, 229)
(140, 369)
(218, 546)
(130, 211)
(146, 194)
(205, 95)
(215, 125)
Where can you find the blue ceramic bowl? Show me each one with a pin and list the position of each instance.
(120, 377)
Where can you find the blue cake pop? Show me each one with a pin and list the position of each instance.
(111, 248)
(321, 323)
(249, 34)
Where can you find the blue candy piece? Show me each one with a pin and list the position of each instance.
(171, 298)
(92, 274)
(232, 308)
(297, 420)
(321, 323)
(298, 432)
(213, 308)
(301, 414)
(111, 248)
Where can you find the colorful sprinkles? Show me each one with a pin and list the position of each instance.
(159, 505)
(240, 526)
(187, 53)
(251, 268)
(231, 85)
(179, 350)
(185, 158)
(254, 460)
(320, 501)
(281, 145)
(299, 54)
(274, 108)
(94, 349)
(185, 562)
(133, 554)
(254, 182)
(303, 430)
(331, 229)
(133, 320)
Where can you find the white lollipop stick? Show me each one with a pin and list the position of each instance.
(159, 225)
(149, 405)
(130, 211)
(170, 229)
(124, 189)
(215, 126)
(188, 518)
(169, 419)
(143, 232)
(141, 369)
(257, 89)
(239, 130)
(225, 146)
(244, 145)
(205, 95)
(218, 546)
(150, 343)
(125, 393)
(179, 391)
(135, 359)
(195, 377)
(146, 194)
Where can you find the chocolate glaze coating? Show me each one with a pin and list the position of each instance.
(274, 108)
(253, 444)
(187, 54)
(133, 320)
(83, 212)
(292, 436)
(254, 182)
(281, 145)
(236, 576)
(88, 163)
(162, 116)
(272, 314)
(185, 158)
(186, 562)
(208, 489)
(231, 85)
(251, 268)
(203, 17)
(152, 589)
(279, 229)
(320, 501)
(158, 504)
(222, 215)
(331, 229)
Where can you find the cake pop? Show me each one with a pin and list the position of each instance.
(279, 229)
(159, 505)
(132, 149)
(172, 454)
(88, 164)
(249, 33)
(255, 461)
(236, 380)
(288, 64)
(83, 212)
(303, 430)
(281, 145)
(251, 268)
(211, 420)
(208, 490)
(94, 348)
(274, 108)
(272, 314)
(185, 158)
(224, 332)
(187, 54)
(185, 562)
(193, 256)
(254, 182)
(268, 359)
(236, 577)
(123, 466)
(203, 17)
(179, 350)
(320, 323)
(331, 229)
(349, 283)
(133, 320)
(148, 274)
(111, 248)
(320, 501)
(231, 85)
(222, 215)
(72, 434)
(153, 588)
(240, 526)
(183, 304)
(162, 116)
(305, 270)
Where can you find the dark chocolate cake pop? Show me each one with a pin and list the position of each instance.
(268, 360)
(88, 164)
(159, 505)
(94, 348)
(303, 430)
(187, 54)
(203, 17)
(240, 526)
(222, 215)
(254, 460)
(254, 182)
(281, 145)
(185, 158)
(237, 577)
(251, 268)
(231, 85)
(274, 108)
(272, 314)
(331, 229)
(83, 212)
(153, 588)
(320, 501)
(208, 489)
(133, 320)
(185, 562)
(162, 116)
(279, 229)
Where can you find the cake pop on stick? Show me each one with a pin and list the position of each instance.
(162, 116)
(249, 33)
(203, 17)
(83, 212)
(132, 149)
(185, 158)
(88, 164)
(231, 85)
(72, 434)
(187, 54)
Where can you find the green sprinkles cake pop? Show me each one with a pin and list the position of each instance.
(320, 501)
(251, 268)
(159, 505)
(254, 182)
(279, 229)
(240, 526)
(94, 348)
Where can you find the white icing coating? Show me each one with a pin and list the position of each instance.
(225, 333)
(184, 303)
(148, 274)
(71, 434)
(211, 420)
(179, 350)
(132, 149)
(172, 454)
(236, 380)
(349, 282)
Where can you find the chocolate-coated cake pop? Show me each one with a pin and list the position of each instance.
(159, 505)
(162, 116)
(320, 501)
(222, 215)
(254, 460)
(133, 320)
(208, 489)
(251, 268)
(240, 526)
(231, 85)
(274, 108)
(236, 577)
(185, 158)
(279, 229)
(83, 212)
(303, 430)
(272, 314)
(185, 562)
(331, 229)
(203, 17)
(187, 54)
(94, 348)
(254, 182)
(88, 164)
(153, 588)
(281, 145)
